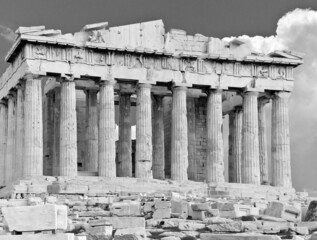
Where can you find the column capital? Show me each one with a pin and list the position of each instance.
(249, 93)
(65, 78)
(28, 76)
(212, 90)
(282, 94)
(144, 85)
(107, 82)
(12, 94)
(178, 88)
(3, 102)
(263, 100)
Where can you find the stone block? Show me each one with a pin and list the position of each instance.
(95, 214)
(17, 202)
(212, 236)
(201, 206)
(148, 207)
(312, 226)
(232, 227)
(58, 236)
(32, 218)
(162, 204)
(162, 213)
(100, 231)
(179, 209)
(120, 222)
(126, 209)
(283, 210)
(190, 226)
(130, 233)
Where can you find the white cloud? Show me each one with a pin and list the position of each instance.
(7, 33)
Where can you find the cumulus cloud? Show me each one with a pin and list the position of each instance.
(7, 33)
(297, 31)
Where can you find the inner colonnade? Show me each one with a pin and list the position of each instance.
(181, 87)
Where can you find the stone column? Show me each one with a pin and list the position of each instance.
(124, 163)
(143, 153)
(3, 140)
(250, 168)
(215, 163)
(11, 150)
(107, 130)
(179, 143)
(264, 165)
(91, 161)
(158, 138)
(235, 144)
(68, 129)
(20, 131)
(281, 160)
(56, 127)
(33, 128)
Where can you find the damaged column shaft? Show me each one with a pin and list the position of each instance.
(179, 144)
(33, 128)
(107, 130)
(68, 129)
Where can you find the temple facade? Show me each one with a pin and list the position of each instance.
(180, 86)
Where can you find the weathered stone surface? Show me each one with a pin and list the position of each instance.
(179, 144)
(179, 209)
(311, 214)
(250, 169)
(285, 211)
(190, 226)
(211, 236)
(126, 209)
(215, 163)
(130, 233)
(33, 218)
(234, 227)
(121, 222)
(162, 204)
(162, 213)
(58, 236)
(143, 154)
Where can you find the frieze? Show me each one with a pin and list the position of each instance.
(152, 61)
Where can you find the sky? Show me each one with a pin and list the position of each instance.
(265, 25)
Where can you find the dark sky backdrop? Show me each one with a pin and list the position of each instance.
(216, 18)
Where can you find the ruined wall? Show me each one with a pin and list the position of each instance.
(201, 137)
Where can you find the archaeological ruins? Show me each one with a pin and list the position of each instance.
(180, 86)
(121, 133)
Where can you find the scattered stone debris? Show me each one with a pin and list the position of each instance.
(162, 215)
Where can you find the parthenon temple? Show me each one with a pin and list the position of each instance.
(63, 95)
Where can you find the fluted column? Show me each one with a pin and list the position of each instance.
(264, 165)
(250, 167)
(179, 143)
(281, 160)
(235, 144)
(191, 123)
(124, 163)
(143, 154)
(3, 140)
(11, 151)
(215, 163)
(91, 161)
(107, 130)
(158, 138)
(56, 127)
(33, 128)
(19, 131)
(68, 129)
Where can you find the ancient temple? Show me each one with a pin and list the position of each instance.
(180, 87)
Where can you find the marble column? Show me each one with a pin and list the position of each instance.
(235, 144)
(143, 154)
(107, 130)
(179, 143)
(91, 161)
(19, 131)
(281, 160)
(3, 140)
(11, 138)
(124, 163)
(158, 138)
(215, 163)
(68, 129)
(264, 164)
(33, 128)
(56, 129)
(250, 167)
